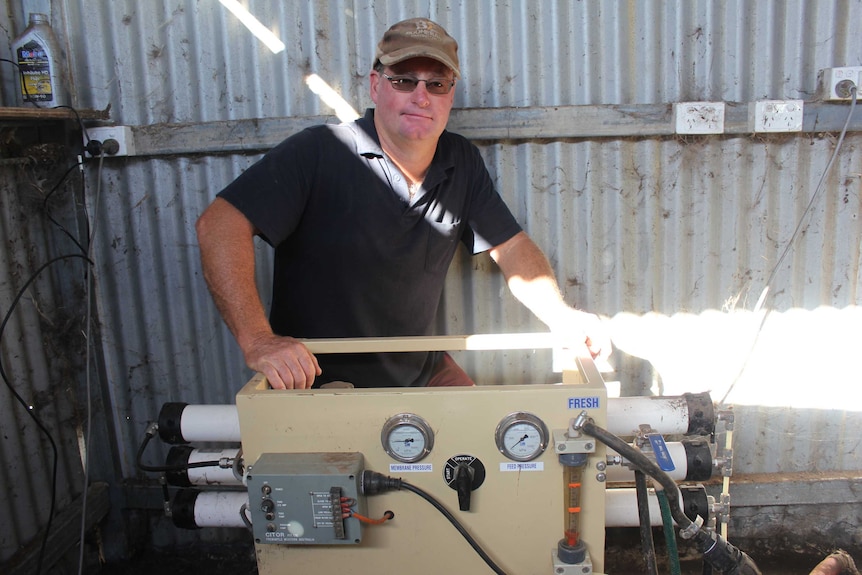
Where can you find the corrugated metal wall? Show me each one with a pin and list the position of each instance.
(671, 238)
(42, 352)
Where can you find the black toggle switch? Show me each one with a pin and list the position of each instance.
(464, 485)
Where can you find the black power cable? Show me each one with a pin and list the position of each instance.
(150, 433)
(373, 483)
(85, 254)
(31, 409)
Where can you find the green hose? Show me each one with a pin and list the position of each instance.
(669, 535)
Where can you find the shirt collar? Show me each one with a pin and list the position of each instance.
(368, 146)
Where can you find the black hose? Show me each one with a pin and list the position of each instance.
(640, 461)
(166, 468)
(647, 546)
(717, 552)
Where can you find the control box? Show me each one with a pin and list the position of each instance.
(306, 498)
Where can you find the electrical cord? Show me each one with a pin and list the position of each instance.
(243, 513)
(23, 83)
(818, 190)
(48, 211)
(148, 435)
(30, 409)
(373, 483)
(88, 292)
(87, 255)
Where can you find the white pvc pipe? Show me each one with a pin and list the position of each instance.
(676, 450)
(621, 508)
(217, 423)
(220, 508)
(212, 475)
(615, 473)
(667, 416)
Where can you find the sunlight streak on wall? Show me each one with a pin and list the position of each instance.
(344, 111)
(800, 358)
(254, 26)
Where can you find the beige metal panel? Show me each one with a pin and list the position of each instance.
(517, 516)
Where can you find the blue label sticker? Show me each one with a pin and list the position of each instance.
(583, 403)
(662, 456)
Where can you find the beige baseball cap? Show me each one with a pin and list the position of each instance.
(418, 38)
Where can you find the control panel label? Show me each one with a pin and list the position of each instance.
(526, 466)
(410, 468)
(584, 402)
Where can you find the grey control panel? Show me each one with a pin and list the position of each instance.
(306, 498)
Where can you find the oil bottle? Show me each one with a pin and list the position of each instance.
(40, 64)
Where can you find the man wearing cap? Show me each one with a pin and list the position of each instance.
(365, 218)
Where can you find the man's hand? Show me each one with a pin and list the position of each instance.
(285, 361)
(584, 330)
(531, 279)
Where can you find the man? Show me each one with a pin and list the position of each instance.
(365, 219)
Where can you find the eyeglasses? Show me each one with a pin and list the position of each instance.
(437, 86)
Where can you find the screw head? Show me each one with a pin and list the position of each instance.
(601, 477)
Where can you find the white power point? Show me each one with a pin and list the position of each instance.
(698, 117)
(775, 116)
(121, 134)
(835, 83)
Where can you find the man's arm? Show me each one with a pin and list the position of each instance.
(226, 241)
(531, 279)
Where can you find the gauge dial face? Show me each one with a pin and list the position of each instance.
(521, 436)
(407, 437)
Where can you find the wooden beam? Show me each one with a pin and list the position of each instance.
(490, 341)
(51, 114)
(482, 124)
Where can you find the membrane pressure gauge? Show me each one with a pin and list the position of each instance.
(521, 436)
(407, 437)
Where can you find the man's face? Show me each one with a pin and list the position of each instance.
(416, 115)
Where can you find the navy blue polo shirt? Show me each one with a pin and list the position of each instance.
(354, 256)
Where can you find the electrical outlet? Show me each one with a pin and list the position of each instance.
(698, 117)
(122, 135)
(775, 116)
(834, 82)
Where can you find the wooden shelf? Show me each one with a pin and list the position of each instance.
(31, 113)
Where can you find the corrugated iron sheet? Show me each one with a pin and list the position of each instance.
(42, 352)
(673, 239)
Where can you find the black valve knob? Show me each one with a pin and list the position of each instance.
(464, 485)
(464, 473)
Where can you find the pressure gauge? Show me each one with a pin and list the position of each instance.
(521, 436)
(407, 437)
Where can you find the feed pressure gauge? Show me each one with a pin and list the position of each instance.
(521, 436)
(407, 437)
